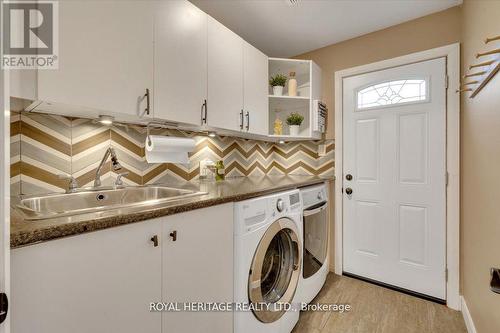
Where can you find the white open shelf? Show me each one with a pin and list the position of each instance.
(308, 75)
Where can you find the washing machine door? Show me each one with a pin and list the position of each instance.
(275, 270)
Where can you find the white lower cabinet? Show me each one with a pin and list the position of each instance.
(99, 282)
(104, 281)
(198, 267)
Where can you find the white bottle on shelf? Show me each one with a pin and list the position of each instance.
(292, 85)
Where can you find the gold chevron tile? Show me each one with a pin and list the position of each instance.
(132, 176)
(139, 151)
(15, 128)
(185, 175)
(161, 168)
(91, 142)
(15, 169)
(250, 156)
(41, 175)
(44, 138)
(89, 176)
(292, 152)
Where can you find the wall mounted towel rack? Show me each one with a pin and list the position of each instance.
(487, 69)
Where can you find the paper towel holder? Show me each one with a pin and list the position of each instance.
(158, 125)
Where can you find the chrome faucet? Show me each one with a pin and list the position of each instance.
(73, 184)
(115, 165)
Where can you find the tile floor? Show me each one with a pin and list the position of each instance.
(377, 310)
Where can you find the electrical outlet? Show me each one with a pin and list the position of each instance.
(321, 150)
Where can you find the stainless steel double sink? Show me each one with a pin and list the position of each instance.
(135, 199)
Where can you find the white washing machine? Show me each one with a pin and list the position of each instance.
(267, 262)
(315, 242)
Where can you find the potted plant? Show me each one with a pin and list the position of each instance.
(294, 120)
(277, 82)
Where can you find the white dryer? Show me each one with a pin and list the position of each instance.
(315, 251)
(267, 262)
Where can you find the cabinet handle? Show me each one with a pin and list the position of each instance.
(154, 239)
(173, 235)
(147, 109)
(204, 112)
(241, 119)
(248, 120)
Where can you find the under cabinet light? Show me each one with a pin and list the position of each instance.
(106, 120)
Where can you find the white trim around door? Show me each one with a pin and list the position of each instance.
(452, 55)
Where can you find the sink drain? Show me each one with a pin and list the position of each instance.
(101, 196)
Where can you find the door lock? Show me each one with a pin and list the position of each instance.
(348, 176)
(348, 191)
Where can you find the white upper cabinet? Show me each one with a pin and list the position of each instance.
(255, 90)
(225, 77)
(180, 61)
(105, 57)
(197, 72)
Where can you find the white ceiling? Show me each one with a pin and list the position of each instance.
(281, 29)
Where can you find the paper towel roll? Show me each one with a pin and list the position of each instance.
(169, 143)
(167, 149)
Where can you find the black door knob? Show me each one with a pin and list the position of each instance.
(348, 176)
(348, 191)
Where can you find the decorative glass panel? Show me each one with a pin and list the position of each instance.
(392, 92)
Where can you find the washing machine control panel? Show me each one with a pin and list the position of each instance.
(283, 204)
(280, 205)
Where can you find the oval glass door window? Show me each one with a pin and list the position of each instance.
(275, 270)
(391, 93)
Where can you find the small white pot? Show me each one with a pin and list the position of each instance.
(278, 90)
(294, 130)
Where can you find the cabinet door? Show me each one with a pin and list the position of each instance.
(105, 56)
(97, 282)
(180, 61)
(225, 76)
(255, 88)
(198, 267)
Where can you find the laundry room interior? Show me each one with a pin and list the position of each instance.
(250, 166)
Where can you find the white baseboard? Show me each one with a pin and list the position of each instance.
(467, 317)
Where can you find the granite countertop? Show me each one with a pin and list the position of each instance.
(24, 232)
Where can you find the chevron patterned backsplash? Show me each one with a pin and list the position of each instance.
(44, 146)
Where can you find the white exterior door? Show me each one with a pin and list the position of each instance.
(394, 223)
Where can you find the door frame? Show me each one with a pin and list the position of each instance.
(452, 54)
(5, 191)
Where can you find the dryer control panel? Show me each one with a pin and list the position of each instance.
(313, 195)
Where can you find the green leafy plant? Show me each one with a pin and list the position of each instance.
(294, 119)
(278, 80)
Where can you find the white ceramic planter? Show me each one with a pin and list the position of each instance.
(294, 130)
(278, 91)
